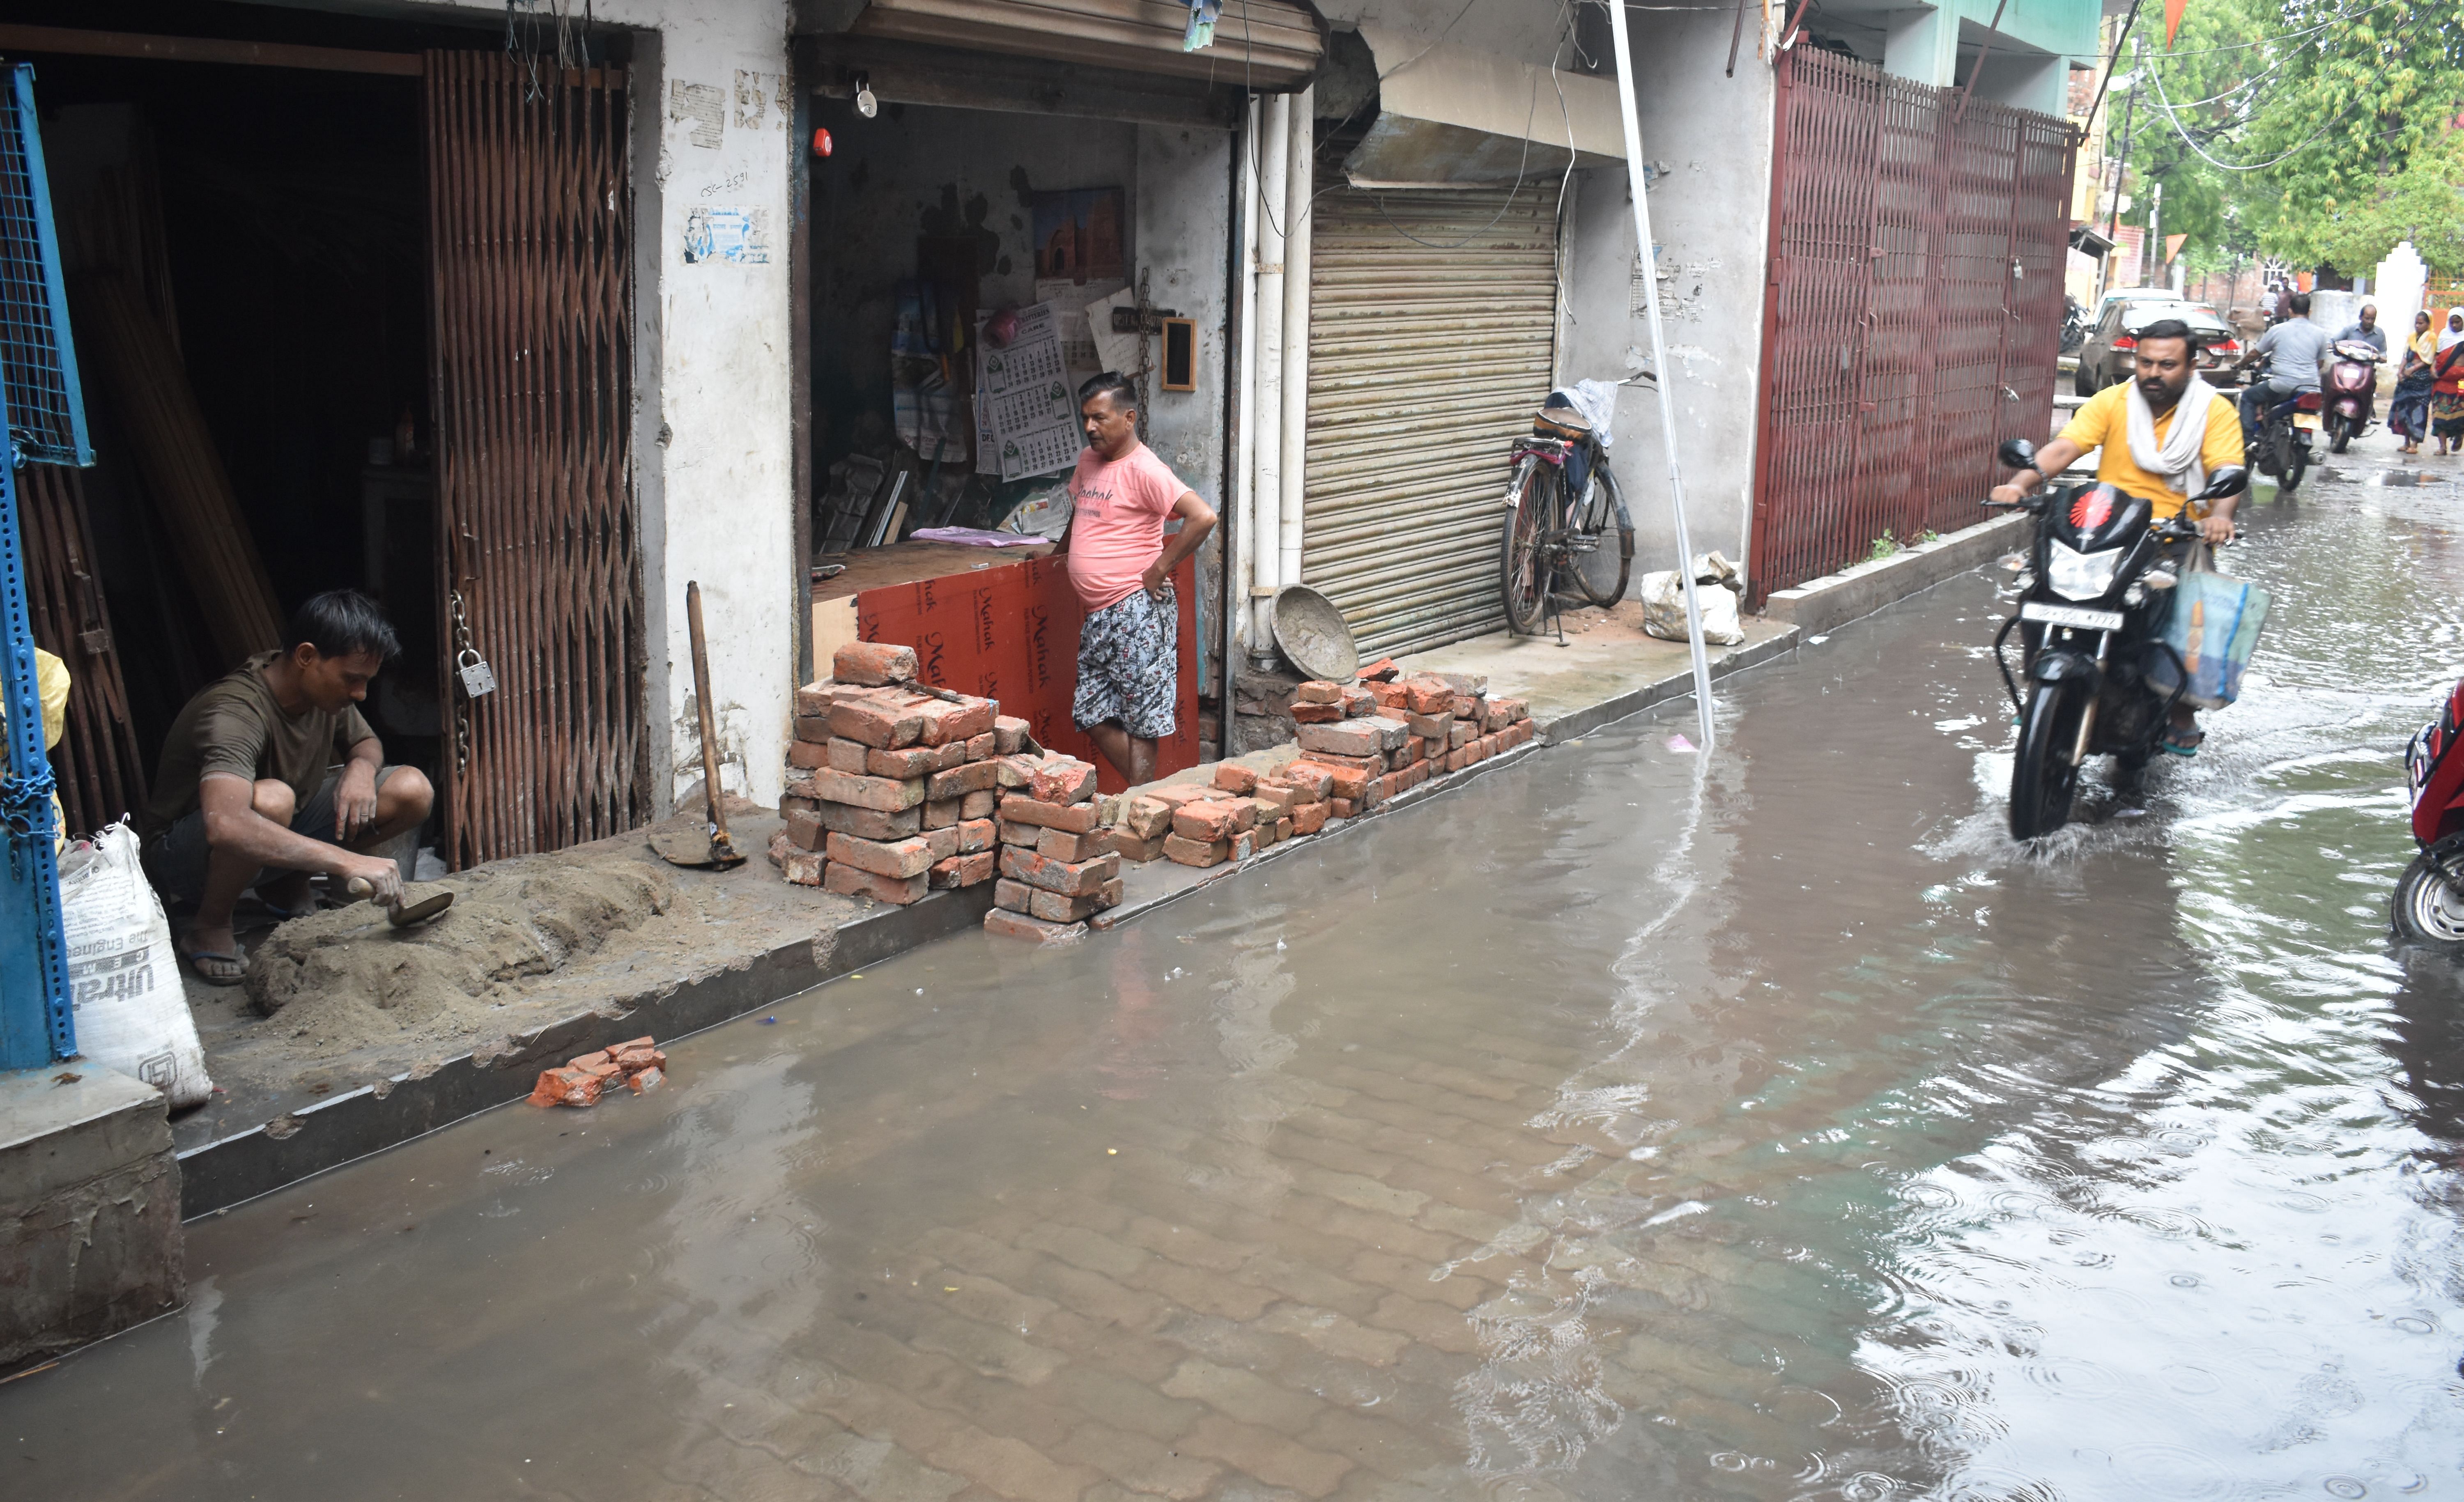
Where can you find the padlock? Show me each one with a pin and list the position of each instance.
(479, 679)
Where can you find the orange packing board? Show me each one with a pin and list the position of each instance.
(1011, 634)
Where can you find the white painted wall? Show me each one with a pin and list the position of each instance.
(1710, 210)
(711, 390)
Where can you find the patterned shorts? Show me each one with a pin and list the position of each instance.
(1129, 667)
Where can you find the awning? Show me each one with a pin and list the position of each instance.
(1271, 45)
(2087, 238)
(1453, 117)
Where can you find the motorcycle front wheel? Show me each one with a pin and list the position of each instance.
(2042, 779)
(2428, 910)
(2344, 429)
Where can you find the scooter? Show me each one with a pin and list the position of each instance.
(2280, 448)
(2092, 605)
(2430, 895)
(2352, 387)
(2074, 325)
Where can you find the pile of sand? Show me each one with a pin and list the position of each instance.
(349, 978)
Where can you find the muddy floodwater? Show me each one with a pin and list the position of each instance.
(1621, 1126)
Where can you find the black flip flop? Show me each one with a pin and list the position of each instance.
(191, 957)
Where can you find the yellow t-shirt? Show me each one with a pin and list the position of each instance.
(2106, 416)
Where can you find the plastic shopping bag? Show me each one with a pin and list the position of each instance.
(2214, 627)
(131, 1013)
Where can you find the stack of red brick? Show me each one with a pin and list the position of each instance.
(638, 1064)
(893, 789)
(1239, 815)
(1058, 862)
(1387, 734)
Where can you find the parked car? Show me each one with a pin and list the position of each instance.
(2104, 359)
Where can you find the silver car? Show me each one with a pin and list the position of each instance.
(2105, 359)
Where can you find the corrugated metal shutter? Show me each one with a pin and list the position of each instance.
(1264, 44)
(1432, 320)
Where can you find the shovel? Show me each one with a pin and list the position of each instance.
(402, 915)
(687, 847)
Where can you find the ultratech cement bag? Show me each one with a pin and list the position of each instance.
(131, 1014)
(1663, 605)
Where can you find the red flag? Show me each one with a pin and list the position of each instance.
(2173, 246)
(2173, 20)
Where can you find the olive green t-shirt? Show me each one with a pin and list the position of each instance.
(235, 726)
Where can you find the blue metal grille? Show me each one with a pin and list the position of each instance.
(37, 358)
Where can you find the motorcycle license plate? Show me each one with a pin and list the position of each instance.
(2307, 421)
(2071, 616)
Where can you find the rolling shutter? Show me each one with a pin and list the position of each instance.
(1432, 320)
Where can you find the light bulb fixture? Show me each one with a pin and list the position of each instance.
(865, 104)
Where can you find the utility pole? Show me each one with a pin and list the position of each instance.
(2152, 259)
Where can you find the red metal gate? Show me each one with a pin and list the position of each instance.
(529, 201)
(1913, 312)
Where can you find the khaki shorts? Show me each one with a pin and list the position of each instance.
(175, 860)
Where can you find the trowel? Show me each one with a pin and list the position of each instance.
(402, 915)
(692, 847)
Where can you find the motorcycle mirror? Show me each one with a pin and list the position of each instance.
(2231, 480)
(2018, 453)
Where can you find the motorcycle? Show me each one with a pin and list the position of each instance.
(2430, 895)
(2353, 382)
(2092, 606)
(2074, 325)
(2280, 448)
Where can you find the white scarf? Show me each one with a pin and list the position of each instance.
(2177, 463)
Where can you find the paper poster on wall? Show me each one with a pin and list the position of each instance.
(1078, 234)
(1046, 450)
(736, 236)
(1080, 352)
(1031, 356)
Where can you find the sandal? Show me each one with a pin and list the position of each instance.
(199, 962)
(2179, 741)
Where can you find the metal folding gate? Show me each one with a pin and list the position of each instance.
(531, 260)
(1432, 320)
(1913, 313)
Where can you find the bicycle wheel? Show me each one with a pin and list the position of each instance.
(1602, 582)
(1525, 576)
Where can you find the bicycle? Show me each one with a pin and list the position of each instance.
(1560, 506)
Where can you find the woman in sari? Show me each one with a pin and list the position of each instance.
(2408, 410)
(2447, 394)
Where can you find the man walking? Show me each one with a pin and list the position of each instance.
(250, 794)
(2293, 350)
(1121, 565)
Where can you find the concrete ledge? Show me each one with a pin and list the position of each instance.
(90, 1239)
(297, 1144)
(1833, 601)
(1724, 661)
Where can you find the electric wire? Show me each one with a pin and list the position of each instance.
(2166, 107)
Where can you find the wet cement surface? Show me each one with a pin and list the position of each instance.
(1623, 1126)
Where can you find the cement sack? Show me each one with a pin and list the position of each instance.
(131, 1013)
(1663, 610)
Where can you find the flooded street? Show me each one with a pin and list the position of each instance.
(1618, 1126)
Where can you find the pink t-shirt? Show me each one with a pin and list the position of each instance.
(1116, 522)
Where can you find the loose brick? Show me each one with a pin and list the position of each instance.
(805, 829)
(808, 754)
(780, 845)
(899, 858)
(1244, 844)
(1138, 851)
(1113, 892)
(975, 776)
(1389, 696)
(1454, 760)
(975, 834)
(567, 1086)
(1308, 819)
(873, 663)
(902, 764)
(1075, 818)
(979, 805)
(1230, 776)
(1435, 727)
(963, 870)
(1145, 818)
(1391, 726)
(1068, 877)
(1515, 708)
(876, 718)
(943, 813)
(1009, 924)
(1059, 844)
(1318, 690)
(887, 795)
(866, 823)
(1007, 832)
(984, 747)
(1062, 779)
(943, 844)
(1015, 897)
(1316, 713)
(1204, 822)
(1358, 700)
(813, 701)
(1010, 735)
(1173, 794)
(1343, 737)
(1283, 829)
(1313, 782)
(945, 722)
(1051, 906)
(803, 869)
(1276, 795)
(948, 755)
(1416, 749)
(814, 727)
(1468, 705)
(1195, 851)
(851, 881)
(1339, 781)
(799, 785)
(1342, 808)
(1016, 771)
(1379, 671)
(1461, 734)
(789, 801)
(1425, 695)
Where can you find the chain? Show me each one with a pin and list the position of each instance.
(461, 702)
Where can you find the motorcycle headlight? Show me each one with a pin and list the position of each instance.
(2081, 575)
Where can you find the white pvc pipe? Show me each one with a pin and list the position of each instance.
(1661, 376)
(1237, 617)
(1300, 181)
(1265, 514)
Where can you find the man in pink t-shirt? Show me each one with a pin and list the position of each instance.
(1121, 564)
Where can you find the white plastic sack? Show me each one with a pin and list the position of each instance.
(1046, 516)
(124, 975)
(1663, 610)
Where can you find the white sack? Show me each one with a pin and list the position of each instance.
(131, 1014)
(1663, 610)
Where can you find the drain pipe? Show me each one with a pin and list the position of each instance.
(1629, 107)
(1266, 556)
(1300, 181)
(1238, 625)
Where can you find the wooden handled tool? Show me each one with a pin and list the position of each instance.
(675, 847)
(402, 915)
